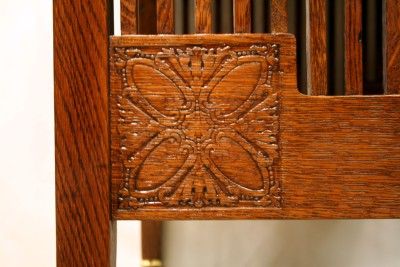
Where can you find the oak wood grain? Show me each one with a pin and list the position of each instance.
(353, 48)
(279, 16)
(317, 68)
(338, 156)
(85, 229)
(171, 149)
(242, 16)
(165, 16)
(391, 47)
(129, 16)
(164, 19)
(203, 16)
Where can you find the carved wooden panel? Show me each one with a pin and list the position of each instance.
(195, 126)
(213, 126)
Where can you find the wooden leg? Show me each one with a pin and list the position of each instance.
(85, 230)
(151, 243)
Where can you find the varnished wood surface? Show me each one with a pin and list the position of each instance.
(279, 16)
(172, 149)
(85, 230)
(353, 47)
(151, 230)
(392, 46)
(203, 16)
(317, 68)
(129, 16)
(165, 16)
(151, 240)
(339, 156)
(242, 16)
(147, 20)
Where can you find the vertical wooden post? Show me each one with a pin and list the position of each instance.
(242, 16)
(317, 68)
(203, 16)
(279, 15)
(391, 57)
(353, 48)
(85, 230)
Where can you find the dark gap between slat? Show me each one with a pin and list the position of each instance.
(147, 22)
(179, 16)
(111, 21)
(335, 47)
(217, 20)
(224, 16)
(372, 47)
(190, 4)
(259, 23)
(297, 26)
(267, 15)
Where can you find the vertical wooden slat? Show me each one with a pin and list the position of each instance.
(279, 15)
(129, 17)
(317, 69)
(155, 16)
(242, 16)
(85, 229)
(353, 47)
(203, 16)
(391, 38)
(165, 16)
(147, 16)
(151, 241)
(129, 25)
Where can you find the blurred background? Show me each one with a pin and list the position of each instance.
(27, 208)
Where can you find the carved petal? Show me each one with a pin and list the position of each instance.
(235, 87)
(237, 164)
(157, 89)
(161, 164)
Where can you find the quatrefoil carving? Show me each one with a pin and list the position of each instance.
(197, 127)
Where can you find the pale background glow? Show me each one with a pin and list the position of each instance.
(27, 224)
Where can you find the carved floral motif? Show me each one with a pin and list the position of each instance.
(198, 127)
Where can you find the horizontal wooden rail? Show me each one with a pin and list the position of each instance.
(337, 157)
